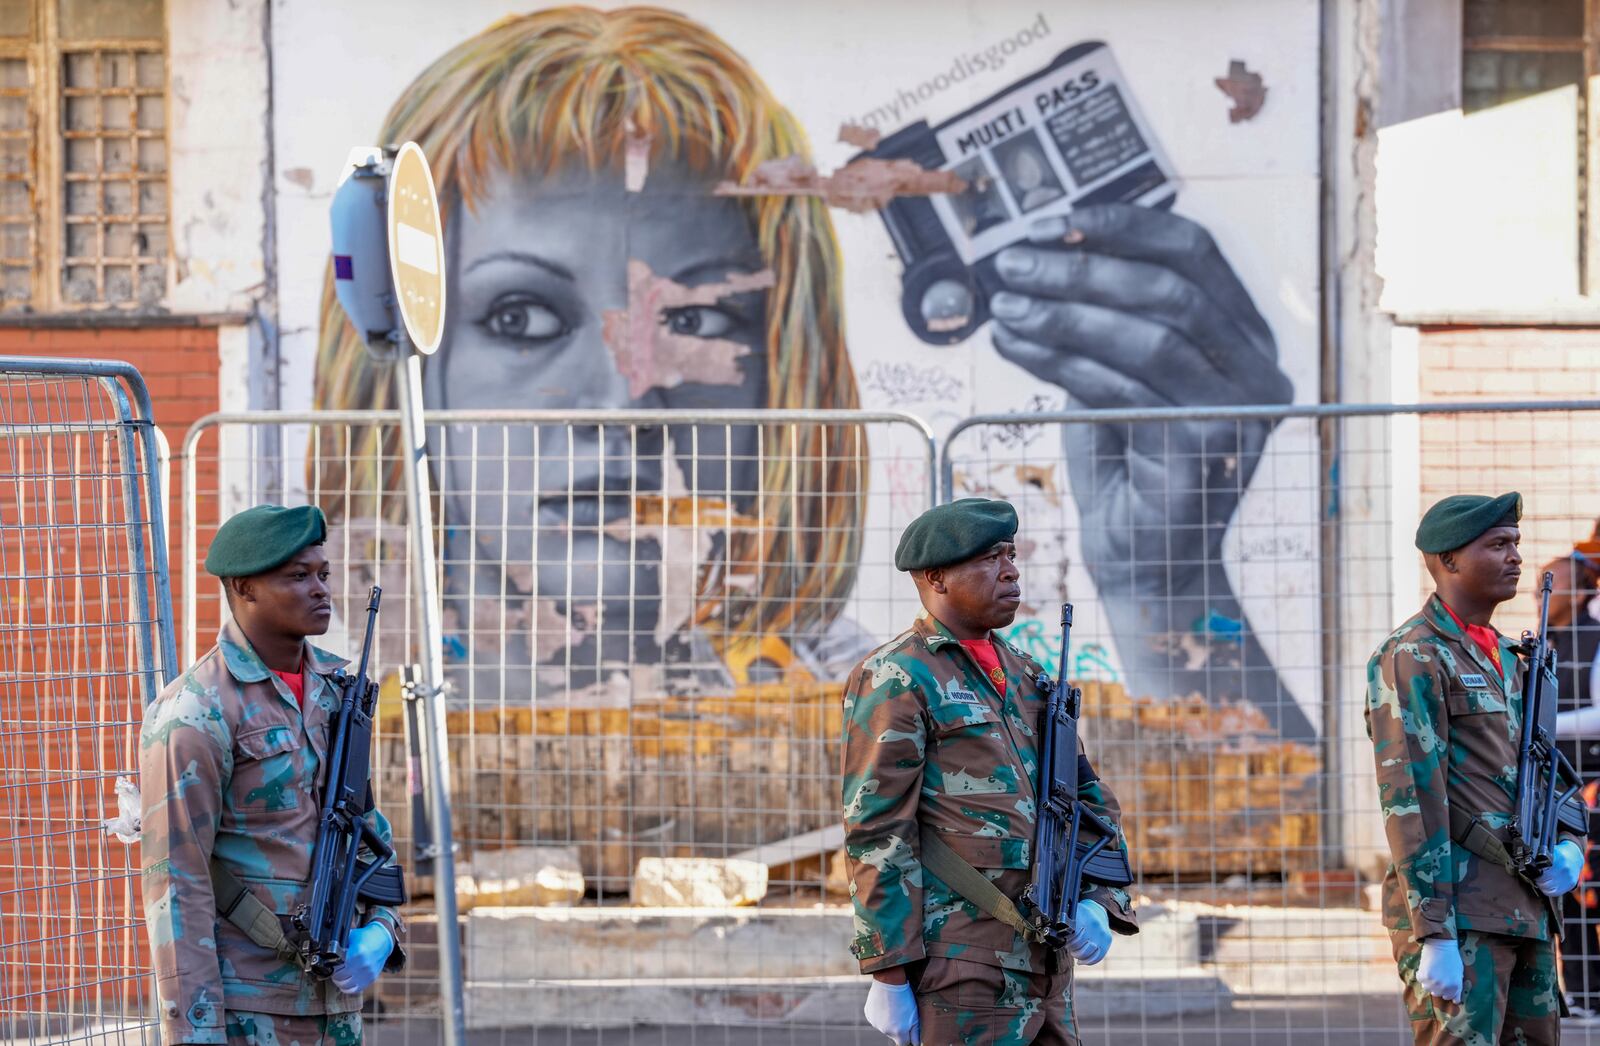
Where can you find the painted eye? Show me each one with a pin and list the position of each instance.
(523, 318)
(697, 321)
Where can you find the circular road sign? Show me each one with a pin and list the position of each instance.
(416, 248)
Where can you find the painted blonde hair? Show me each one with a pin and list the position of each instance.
(535, 91)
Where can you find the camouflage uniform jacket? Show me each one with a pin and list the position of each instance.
(229, 767)
(1444, 727)
(929, 743)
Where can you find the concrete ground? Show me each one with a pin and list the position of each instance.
(1346, 1020)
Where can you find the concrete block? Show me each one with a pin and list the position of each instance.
(796, 848)
(698, 882)
(1298, 951)
(520, 945)
(791, 1004)
(1165, 939)
(520, 875)
(1154, 992)
(591, 966)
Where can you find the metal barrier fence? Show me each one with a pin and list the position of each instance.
(86, 638)
(1232, 572)
(648, 618)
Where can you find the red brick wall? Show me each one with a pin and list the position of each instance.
(1553, 459)
(178, 363)
(71, 931)
(180, 366)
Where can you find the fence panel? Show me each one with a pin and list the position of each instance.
(648, 620)
(86, 638)
(1232, 571)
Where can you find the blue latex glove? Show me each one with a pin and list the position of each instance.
(1566, 864)
(1091, 933)
(370, 946)
(1440, 972)
(892, 1009)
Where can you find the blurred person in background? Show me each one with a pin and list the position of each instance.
(1575, 635)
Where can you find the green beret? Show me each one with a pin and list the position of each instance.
(1463, 518)
(950, 533)
(261, 538)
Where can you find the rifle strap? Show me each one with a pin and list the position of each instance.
(976, 887)
(237, 904)
(1479, 839)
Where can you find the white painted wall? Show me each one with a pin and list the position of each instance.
(217, 144)
(217, 147)
(1477, 214)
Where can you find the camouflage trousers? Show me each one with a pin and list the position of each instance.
(961, 1002)
(1509, 993)
(277, 1029)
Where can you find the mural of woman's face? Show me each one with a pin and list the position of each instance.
(567, 291)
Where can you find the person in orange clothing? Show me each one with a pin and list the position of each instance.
(1575, 635)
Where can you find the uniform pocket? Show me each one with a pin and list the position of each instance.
(1460, 701)
(1481, 726)
(960, 984)
(267, 769)
(961, 712)
(985, 778)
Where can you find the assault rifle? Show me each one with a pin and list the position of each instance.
(1071, 842)
(1547, 784)
(339, 875)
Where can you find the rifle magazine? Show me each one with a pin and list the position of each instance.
(1573, 816)
(1108, 867)
(386, 886)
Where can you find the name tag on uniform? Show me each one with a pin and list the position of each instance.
(966, 697)
(1474, 681)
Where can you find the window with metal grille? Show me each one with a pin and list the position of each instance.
(1515, 48)
(83, 155)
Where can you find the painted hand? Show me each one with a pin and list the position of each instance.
(1128, 307)
(1566, 864)
(892, 1009)
(1091, 934)
(370, 946)
(1440, 971)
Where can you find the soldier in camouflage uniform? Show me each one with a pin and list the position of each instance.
(940, 735)
(1475, 942)
(231, 757)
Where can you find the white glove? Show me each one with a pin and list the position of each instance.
(1566, 864)
(892, 1009)
(1091, 933)
(370, 946)
(1440, 970)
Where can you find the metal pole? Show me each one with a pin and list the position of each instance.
(408, 376)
